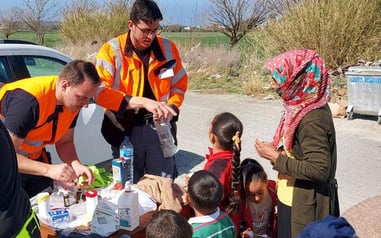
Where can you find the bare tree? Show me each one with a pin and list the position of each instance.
(279, 7)
(8, 21)
(235, 18)
(36, 14)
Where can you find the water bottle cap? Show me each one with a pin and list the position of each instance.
(127, 187)
(91, 193)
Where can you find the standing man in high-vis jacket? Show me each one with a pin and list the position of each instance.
(145, 64)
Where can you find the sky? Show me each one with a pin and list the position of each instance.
(183, 12)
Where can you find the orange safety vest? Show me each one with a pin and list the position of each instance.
(43, 89)
(122, 72)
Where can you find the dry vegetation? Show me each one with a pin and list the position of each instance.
(208, 67)
(86, 21)
(342, 31)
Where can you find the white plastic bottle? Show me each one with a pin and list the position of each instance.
(91, 201)
(127, 153)
(128, 209)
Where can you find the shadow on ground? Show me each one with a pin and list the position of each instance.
(186, 161)
(365, 117)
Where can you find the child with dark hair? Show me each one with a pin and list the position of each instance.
(205, 194)
(258, 201)
(168, 224)
(223, 161)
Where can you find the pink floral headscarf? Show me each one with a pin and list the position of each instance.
(301, 79)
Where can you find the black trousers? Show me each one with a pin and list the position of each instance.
(284, 220)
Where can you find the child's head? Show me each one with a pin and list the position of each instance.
(253, 180)
(224, 127)
(168, 224)
(205, 192)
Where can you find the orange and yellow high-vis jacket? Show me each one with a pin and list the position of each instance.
(42, 134)
(122, 72)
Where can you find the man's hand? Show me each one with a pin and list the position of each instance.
(83, 170)
(61, 172)
(159, 110)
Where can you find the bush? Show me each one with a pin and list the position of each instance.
(341, 31)
(85, 21)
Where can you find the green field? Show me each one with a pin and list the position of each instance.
(205, 38)
(53, 38)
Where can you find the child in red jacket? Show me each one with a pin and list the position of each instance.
(258, 206)
(223, 159)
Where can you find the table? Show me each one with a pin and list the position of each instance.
(139, 232)
(365, 217)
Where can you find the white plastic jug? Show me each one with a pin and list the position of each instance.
(128, 209)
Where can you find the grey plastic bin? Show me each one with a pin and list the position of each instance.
(364, 91)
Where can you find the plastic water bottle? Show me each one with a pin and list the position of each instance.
(128, 209)
(167, 141)
(127, 154)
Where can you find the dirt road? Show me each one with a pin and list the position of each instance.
(358, 141)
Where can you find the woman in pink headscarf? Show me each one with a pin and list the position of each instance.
(304, 147)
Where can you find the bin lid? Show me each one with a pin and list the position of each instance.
(361, 70)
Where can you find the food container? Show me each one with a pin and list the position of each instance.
(91, 201)
(58, 216)
(43, 202)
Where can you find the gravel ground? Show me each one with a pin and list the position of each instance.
(358, 141)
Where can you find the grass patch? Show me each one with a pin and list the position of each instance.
(52, 38)
(194, 38)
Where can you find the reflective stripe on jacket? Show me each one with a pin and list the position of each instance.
(44, 92)
(121, 69)
(31, 227)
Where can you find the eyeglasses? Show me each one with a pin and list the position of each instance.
(149, 32)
